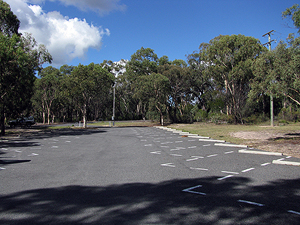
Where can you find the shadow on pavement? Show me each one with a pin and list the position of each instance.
(161, 203)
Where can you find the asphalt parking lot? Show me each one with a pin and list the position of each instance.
(141, 175)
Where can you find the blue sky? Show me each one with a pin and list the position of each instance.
(85, 31)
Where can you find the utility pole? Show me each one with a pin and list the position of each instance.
(271, 96)
(114, 103)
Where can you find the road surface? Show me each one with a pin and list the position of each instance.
(142, 175)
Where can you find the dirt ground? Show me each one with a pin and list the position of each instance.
(288, 144)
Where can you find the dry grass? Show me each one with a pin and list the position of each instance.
(285, 138)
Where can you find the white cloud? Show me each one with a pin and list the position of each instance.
(65, 38)
(100, 6)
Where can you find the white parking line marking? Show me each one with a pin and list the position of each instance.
(265, 164)
(177, 155)
(292, 211)
(229, 152)
(251, 203)
(211, 155)
(195, 158)
(156, 152)
(189, 190)
(230, 172)
(195, 168)
(223, 178)
(247, 170)
(193, 147)
(168, 164)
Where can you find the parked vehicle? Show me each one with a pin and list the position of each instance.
(22, 122)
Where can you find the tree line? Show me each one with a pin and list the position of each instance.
(230, 79)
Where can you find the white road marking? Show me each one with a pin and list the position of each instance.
(189, 190)
(280, 159)
(177, 155)
(229, 172)
(168, 142)
(206, 145)
(251, 203)
(178, 141)
(222, 178)
(156, 152)
(54, 147)
(195, 168)
(164, 146)
(156, 141)
(4, 149)
(265, 164)
(292, 211)
(211, 155)
(247, 170)
(193, 147)
(229, 152)
(191, 140)
(148, 145)
(68, 141)
(168, 164)
(194, 158)
(288, 157)
(2, 168)
(33, 154)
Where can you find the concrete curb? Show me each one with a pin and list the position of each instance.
(231, 145)
(212, 140)
(260, 152)
(289, 163)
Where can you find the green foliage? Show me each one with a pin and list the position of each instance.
(293, 13)
(20, 57)
(289, 114)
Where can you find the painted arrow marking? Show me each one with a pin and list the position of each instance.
(189, 190)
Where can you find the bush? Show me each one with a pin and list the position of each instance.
(287, 114)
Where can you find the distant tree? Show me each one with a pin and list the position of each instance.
(48, 89)
(88, 82)
(143, 62)
(229, 60)
(20, 57)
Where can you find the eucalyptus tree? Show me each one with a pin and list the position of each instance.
(277, 73)
(143, 62)
(229, 60)
(48, 88)
(179, 78)
(87, 83)
(20, 57)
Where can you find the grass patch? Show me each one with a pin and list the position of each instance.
(223, 131)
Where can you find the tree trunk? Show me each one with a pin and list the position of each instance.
(2, 122)
(84, 115)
